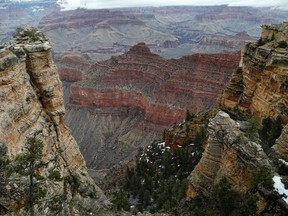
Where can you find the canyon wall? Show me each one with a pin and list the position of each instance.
(32, 106)
(142, 89)
(163, 89)
(257, 87)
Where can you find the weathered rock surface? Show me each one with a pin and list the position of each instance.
(142, 89)
(258, 86)
(32, 105)
(281, 143)
(228, 153)
(260, 83)
(281, 151)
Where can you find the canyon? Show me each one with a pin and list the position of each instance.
(171, 32)
(82, 37)
(139, 93)
(122, 92)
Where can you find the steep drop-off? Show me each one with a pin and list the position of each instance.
(32, 106)
(257, 88)
(139, 94)
(260, 83)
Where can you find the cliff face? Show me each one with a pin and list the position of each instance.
(258, 86)
(228, 153)
(260, 83)
(139, 94)
(32, 105)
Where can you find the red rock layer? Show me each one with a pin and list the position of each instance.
(164, 89)
(72, 67)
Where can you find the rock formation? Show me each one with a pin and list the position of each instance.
(155, 92)
(257, 88)
(32, 105)
(260, 83)
(228, 153)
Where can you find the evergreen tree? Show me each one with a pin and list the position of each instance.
(224, 197)
(254, 125)
(121, 201)
(29, 164)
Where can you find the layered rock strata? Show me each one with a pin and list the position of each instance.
(228, 153)
(126, 102)
(164, 89)
(32, 105)
(259, 85)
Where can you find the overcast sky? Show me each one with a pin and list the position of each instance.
(96, 4)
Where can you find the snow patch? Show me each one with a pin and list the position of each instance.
(280, 188)
(283, 162)
(162, 145)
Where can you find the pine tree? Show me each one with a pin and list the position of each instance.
(29, 164)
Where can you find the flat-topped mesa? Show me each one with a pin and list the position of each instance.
(260, 83)
(140, 48)
(32, 106)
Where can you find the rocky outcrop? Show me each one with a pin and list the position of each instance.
(259, 85)
(228, 153)
(281, 151)
(229, 42)
(32, 105)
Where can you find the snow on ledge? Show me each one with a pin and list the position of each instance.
(280, 188)
(283, 162)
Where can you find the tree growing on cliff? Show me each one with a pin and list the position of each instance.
(254, 125)
(189, 115)
(29, 164)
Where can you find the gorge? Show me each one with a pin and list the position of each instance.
(201, 134)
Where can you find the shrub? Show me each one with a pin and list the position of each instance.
(262, 176)
(260, 41)
(224, 197)
(254, 125)
(282, 44)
